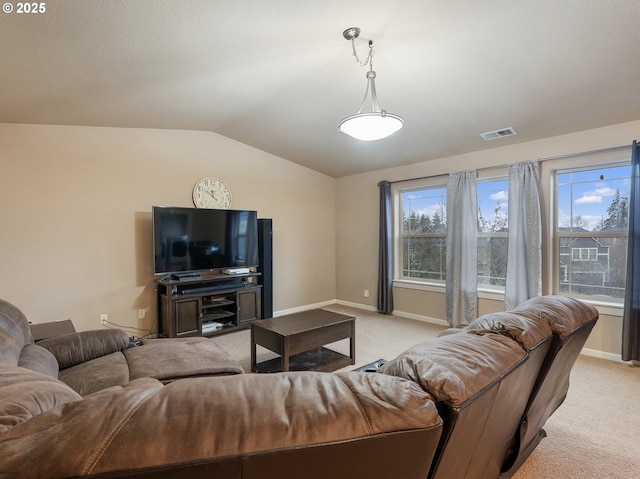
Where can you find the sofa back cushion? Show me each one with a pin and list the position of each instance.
(526, 328)
(14, 333)
(76, 348)
(565, 315)
(38, 359)
(455, 368)
(25, 394)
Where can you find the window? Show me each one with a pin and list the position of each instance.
(424, 233)
(591, 231)
(493, 237)
(584, 254)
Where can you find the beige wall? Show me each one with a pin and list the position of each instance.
(75, 210)
(357, 225)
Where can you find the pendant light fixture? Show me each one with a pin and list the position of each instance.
(377, 123)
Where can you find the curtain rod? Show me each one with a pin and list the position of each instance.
(559, 157)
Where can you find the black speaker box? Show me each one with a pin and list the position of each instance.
(265, 266)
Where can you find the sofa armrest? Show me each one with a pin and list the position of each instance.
(75, 348)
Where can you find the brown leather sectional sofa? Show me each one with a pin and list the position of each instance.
(468, 404)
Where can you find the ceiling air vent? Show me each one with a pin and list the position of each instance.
(492, 135)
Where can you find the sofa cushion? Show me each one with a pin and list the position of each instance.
(456, 367)
(38, 359)
(9, 352)
(205, 420)
(25, 394)
(563, 314)
(527, 329)
(175, 358)
(14, 333)
(76, 348)
(100, 373)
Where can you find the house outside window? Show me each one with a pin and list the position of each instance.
(591, 231)
(586, 254)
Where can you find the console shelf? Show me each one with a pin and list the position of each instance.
(207, 305)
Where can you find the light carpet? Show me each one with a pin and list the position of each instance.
(594, 434)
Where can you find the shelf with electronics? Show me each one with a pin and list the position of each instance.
(207, 305)
(210, 258)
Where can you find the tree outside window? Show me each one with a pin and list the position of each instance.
(424, 233)
(493, 232)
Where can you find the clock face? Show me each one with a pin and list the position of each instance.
(211, 192)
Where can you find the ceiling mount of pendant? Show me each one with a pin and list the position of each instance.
(351, 33)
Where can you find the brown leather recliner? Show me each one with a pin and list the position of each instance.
(480, 379)
(571, 322)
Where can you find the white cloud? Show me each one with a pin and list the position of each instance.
(605, 191)
(589, 199)
(499, 196)
(596, 196)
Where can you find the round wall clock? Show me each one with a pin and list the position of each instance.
(211, 192)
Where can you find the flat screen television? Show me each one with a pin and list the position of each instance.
(194, 240)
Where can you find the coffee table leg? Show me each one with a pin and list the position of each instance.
(285, 355)
(253, 352)
(352, 342)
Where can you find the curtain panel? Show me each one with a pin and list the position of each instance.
(462, 248)
(524, 254)
(631, 314)
(385, 251)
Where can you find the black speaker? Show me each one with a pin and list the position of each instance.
(265, 266)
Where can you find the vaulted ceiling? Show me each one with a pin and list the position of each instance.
(279, 76)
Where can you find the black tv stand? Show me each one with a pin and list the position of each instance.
(209, 304)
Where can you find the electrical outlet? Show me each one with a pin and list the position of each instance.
(104, 319)
(366, 293)
(141, 313)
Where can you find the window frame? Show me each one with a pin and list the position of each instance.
(436, 181)
(398, 244)
(497, 234)
(588, 161)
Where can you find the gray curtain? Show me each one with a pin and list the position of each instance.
(462, 248)
(524, 254)
(631, 314)
(385, 258)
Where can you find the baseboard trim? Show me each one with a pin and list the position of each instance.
(419, 317)
(356, 305)
(595, 353)
(306, 307)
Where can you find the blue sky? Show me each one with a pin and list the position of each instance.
(589, 193)
(586, 193)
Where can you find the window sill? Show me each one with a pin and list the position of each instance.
(419, 285)
(603, 307)
(491, 294)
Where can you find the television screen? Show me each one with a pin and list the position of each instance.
(192, 239)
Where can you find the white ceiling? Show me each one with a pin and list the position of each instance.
(279, 76)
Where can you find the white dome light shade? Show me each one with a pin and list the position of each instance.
(371, 126)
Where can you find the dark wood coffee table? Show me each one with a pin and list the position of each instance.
(298, 339)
